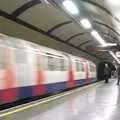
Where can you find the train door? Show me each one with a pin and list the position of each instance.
(87, 72)
(39, 75)
(55, 72)
(71, 71)
(7, 74)
(79, 72)
(92, 69)
(24, 81)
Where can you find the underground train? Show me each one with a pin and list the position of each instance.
(28, 70)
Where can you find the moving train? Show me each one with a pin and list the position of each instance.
(28, 70)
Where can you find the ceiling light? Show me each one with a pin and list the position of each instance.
(118, 54)
(46, 1)
(96, 35)
(114, 2)
(111, 44)
(70, 7)
(114, 56)
(86, 23)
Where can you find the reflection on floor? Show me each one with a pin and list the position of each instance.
(101, 102)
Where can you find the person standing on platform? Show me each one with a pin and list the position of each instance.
(118, 71)
(106, 73)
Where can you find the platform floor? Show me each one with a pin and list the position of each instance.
(100, 102)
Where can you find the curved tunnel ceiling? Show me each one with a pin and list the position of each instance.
(66, 30)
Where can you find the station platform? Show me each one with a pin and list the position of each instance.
(98, 101)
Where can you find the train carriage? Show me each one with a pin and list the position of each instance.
(28, 70)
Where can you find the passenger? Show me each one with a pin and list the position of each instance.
(106, 73)
(118, 71)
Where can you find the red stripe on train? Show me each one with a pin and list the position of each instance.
(71, 81)
(87, 80)
(39, 88)
(9, 93)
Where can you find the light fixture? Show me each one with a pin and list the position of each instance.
(70, 7)
(110, 44)
(86, 23)
(96, 35)
(46, 1)
(114, 2)
(114, 56)
(118, 54)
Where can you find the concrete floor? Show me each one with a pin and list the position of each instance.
(101, 102)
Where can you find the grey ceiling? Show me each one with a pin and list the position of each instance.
(51, 20)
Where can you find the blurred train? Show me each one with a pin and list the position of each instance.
(28, 70)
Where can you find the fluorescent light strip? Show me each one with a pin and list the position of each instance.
(111, 44)
(98, 37)
(70, 7)
(46, 2)
(114, 56)
(114, 3)
(86, 23)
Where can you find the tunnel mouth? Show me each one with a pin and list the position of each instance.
(101, 67)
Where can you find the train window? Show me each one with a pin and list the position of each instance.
(50, 63)
(82, 67)
(21, 56)
(5, 60)
(62, 65)
(2, 57)
(9, 43)
(92, 67)
(57, 64)
(38, 61)
(54, 64)
(77, 66)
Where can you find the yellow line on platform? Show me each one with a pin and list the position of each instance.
(42, 101)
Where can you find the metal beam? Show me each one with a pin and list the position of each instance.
(59, 25)
(24, 7)
(107, 26)
(112, 37)
(73, 36)
(83, 43)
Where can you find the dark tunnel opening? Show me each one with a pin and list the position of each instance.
(101, 68)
